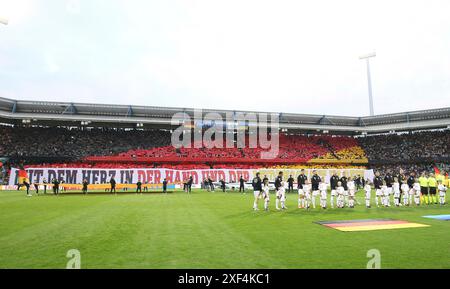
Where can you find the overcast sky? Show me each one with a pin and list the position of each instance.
(282, 56)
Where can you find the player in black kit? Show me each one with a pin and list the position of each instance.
(301, 179)
(377, 183)
(315, 181)
(257, 188)
(334, 180)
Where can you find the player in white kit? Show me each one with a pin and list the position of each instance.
(385, 198)
(368, 195)
(417, 193)
(351, 192)
(282, 196)
(405, 193)
(323, 195)
(351, 198)
(442, 191)
(396, 189)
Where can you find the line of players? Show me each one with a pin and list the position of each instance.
(343, 191)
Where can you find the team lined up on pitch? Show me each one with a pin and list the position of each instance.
(388, 190)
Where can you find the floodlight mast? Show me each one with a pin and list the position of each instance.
(369, 80)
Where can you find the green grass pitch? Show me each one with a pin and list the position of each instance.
(207, 230)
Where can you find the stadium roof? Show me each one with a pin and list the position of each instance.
(107, 115)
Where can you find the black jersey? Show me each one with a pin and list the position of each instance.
(278, 181)
(301, 180)
(411, 180)
(378, 182)
(389, 179)
(333, 182)
(315, 181)
(256, 183)
(344, 183)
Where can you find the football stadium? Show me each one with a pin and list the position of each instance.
(240, 136)
(202, 217)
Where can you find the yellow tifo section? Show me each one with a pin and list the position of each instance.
(324, 165)
(351, 155)
(380, 227)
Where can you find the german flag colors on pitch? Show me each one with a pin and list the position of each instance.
(370, 225)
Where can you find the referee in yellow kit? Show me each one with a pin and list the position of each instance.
(432, 184)
(423, 181)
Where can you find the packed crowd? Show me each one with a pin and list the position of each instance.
(62, 142)
(412, 152)
(407, 147)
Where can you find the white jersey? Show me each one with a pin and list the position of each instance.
(340, 191)
(442, 190)
(351, 185)
(368, 190)
(323, 187)
(396, 187)
(405, 188)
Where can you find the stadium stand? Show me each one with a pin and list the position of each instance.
(119, 146)
(97, 135)
(106, 148)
